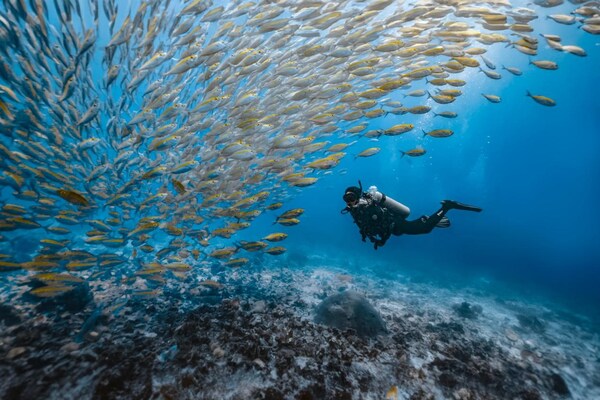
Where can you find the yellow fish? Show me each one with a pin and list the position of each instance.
(371, 151)
(417, 152)
(439, 133)
(73, 197)
(275, 237)
(275, 251)
(543, 100)
(51, 290)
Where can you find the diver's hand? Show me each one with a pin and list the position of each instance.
(378, 243)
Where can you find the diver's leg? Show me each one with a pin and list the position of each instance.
(423, 224)
(426, 224)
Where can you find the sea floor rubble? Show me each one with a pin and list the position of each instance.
(256, 338)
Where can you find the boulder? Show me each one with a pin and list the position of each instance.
(9, 316)
(531, 323)
(466, 310)
(350, 310)
(73, 301)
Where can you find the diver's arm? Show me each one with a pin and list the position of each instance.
(384, 235)
(363, 235)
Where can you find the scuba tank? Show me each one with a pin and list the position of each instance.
(386, 201)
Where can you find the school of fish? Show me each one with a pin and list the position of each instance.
(139, 137)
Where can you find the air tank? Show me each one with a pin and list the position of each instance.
(391, 204)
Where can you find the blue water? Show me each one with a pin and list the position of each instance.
(534, 170)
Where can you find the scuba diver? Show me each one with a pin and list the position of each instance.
(379, 216)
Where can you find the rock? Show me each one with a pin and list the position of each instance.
(273, 394)
(16, 352)
(462, 394)
(218, 352)
(70, 347)
(559, 385)
(301, 362)
(511, 335)
(259, 307)
(447, 380)
(8, 315)
(465, 310)
(350, 310)
(73, 301)
(92, 336)
(420, 394)
(530, 394)
(169, 354)
(531, 323)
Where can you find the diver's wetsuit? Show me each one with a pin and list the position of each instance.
(378, 223)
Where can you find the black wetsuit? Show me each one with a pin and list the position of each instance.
(378, 223)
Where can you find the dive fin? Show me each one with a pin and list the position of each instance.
(451, 204)
(444, 223)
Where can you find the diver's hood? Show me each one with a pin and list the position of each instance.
(352, 193)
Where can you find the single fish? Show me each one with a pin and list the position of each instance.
(73, 197)
(543, 100)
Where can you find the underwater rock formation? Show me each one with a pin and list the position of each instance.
(466, 310)
(261, 343)
(8, 315)
(73, 301)
(350, 310)
(531, 323)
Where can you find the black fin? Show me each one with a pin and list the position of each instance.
(451, 204)
(444, 223)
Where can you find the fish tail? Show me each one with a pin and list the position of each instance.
(527, 93)
(424, 133)
(403, 153)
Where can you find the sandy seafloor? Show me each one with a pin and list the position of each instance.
(255, 339)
